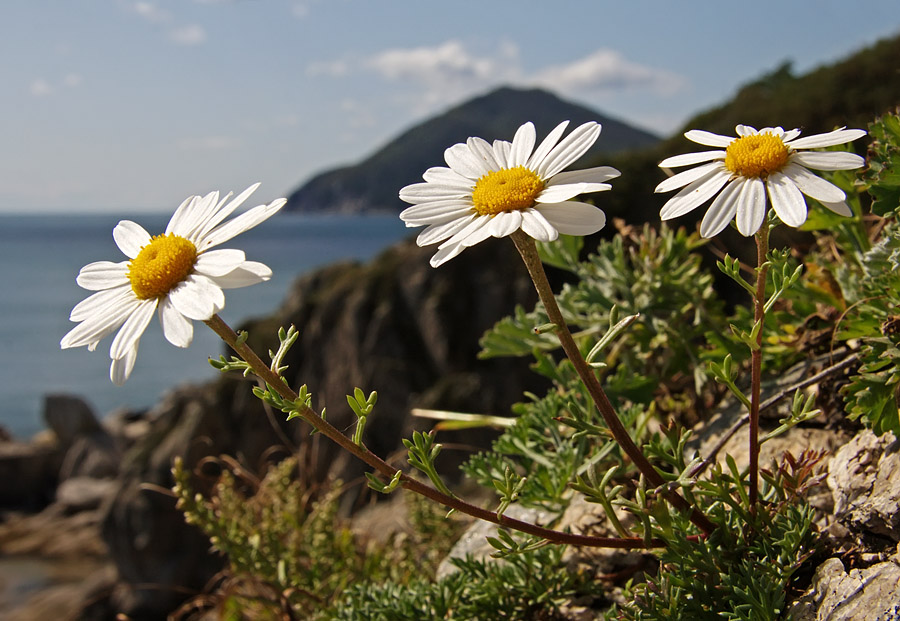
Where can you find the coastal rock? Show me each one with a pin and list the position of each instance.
(69, 417)
(28, 474)
(865, 481)
(872, 593)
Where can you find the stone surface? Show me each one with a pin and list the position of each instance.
(83, 493)
(870, 594)
(473, 541)
(28, 474)
(69, 417)
(864, 477)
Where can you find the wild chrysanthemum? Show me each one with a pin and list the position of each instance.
(176, 273)
(751, 165)
(492, 190)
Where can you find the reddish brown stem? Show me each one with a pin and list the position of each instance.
(528, 250)
(759, 302)
(309, 415)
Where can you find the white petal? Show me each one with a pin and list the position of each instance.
(441, 175)
(745, 130)
(475, 224)
(478, 235)
(560, 193)
(838, 136)
(790, 135)
(181, 214)
(120, 369)
(177, 328)
(503, 151)
(722, 210)
(103, 275)
(546, 146)
(96, 327)
(461, 159)
(197, 297)
(537, 226)
(132, 329)
(236, 226)
(249, 273)
(569, 149)
(813, 185)
(598, 174)
(427, 192)
(445, 253)
(840, 208)
(695, 194)
(708, 138)
(130, 238)
(751, 206)
(505, 223)
(439, 232)
(223, 212)
(219, 262)
(686, 177)
(828, 160)
(787, 200)
(573, 218)
(481, 149)
(195, 216)
(522, 145)
(688, 159)
(99, 302)
(436, 212)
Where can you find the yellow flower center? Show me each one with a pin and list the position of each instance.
(508, 189)
(758, 155)
(160, 265)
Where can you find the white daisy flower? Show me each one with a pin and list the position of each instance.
(494, 190)
(755, 163)
(176, 273)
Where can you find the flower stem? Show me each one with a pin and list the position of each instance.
(277, 383)
(526, 247)
(759, 302)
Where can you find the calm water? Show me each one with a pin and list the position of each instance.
(41, 255)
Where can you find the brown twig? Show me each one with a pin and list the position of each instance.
(765, 405)
(759, 302)
(528, 250)
(276, 383)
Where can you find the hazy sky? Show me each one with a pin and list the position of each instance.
(119, 105)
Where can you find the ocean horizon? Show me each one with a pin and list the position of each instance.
(42, 255)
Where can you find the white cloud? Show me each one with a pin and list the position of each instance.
(151, 12)
(332, 68)
(40, 87)
(430, 78)
(606, 70)
(72, 80)
(188, 35)
(179, 34)
(207, 143)
(449, 61)
(300, 9)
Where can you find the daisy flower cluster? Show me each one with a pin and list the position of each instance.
(492, 190)
(177, 275)
(747, 168)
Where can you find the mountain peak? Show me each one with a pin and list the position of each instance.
(373, 184)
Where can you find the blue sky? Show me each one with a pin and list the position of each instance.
(132, 105)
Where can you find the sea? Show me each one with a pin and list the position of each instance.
(40, 256)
